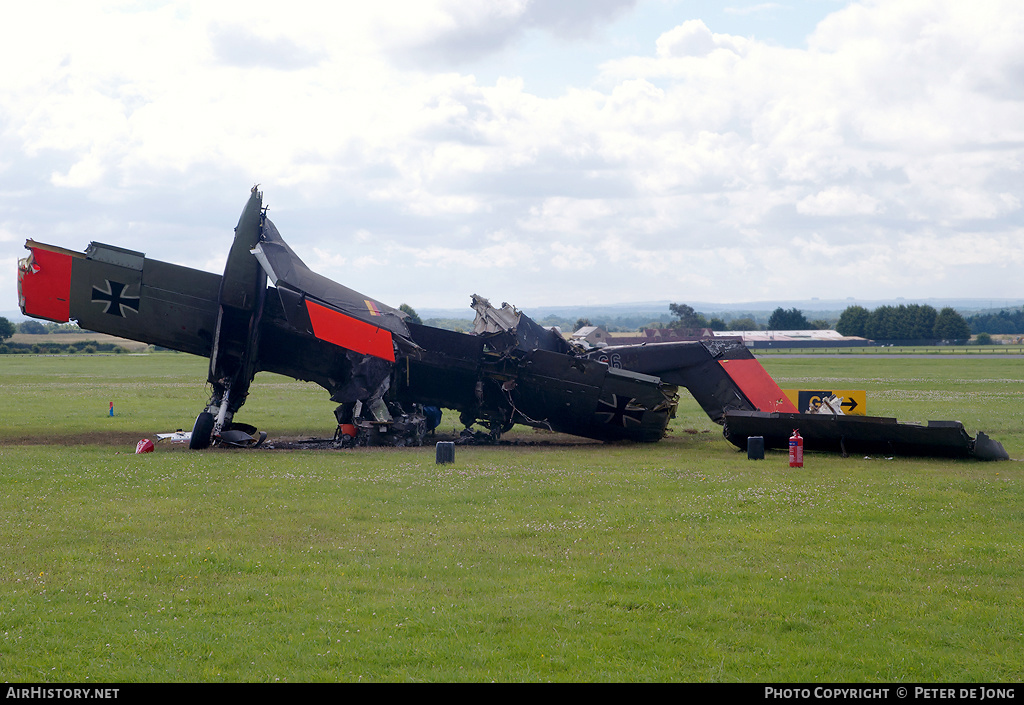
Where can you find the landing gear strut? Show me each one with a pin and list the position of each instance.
(208, 426)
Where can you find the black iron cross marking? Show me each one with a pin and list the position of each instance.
(620, 412)
(117, 303)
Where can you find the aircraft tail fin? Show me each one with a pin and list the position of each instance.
(113, 290)
(44, 282)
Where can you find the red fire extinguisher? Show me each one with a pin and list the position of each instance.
(796, 450)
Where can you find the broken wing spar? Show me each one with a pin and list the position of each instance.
(270, 312)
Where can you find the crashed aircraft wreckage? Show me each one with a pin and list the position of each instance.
(389, 376)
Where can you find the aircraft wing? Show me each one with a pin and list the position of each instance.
(328, 310)
(721, 376)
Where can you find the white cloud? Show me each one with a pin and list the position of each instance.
(571, 257)
(837, 201)
(754, 9)
(448, 33)
(567, 217)
(326, 259)
(692, 165)
(693, 38)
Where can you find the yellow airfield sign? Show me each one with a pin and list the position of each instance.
(855, 401)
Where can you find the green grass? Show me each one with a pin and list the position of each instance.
(677, 561)
(71, 395)
(983, 393)
(973, 349)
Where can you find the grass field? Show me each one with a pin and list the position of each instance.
(676, 561)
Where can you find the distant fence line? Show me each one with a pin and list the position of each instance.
(79, 347)
(780, 344)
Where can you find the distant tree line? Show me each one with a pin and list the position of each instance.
(411, 313)
(39, 328)
(780, 319)
(612, 324)
(459, 325)
(687, 317)
(1007, 321)
(83, 347)
(48, 346)
(913, 322)
(615, 324)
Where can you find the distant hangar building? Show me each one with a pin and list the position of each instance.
(796, 339)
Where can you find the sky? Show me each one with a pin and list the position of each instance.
(541, 153)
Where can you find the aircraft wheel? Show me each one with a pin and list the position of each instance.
(202, 432)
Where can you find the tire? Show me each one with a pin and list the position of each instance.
(202, 432)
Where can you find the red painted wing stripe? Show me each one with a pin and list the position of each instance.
(351, 333)
(758, 386)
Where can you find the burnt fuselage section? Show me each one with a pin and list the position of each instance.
(493, 380)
